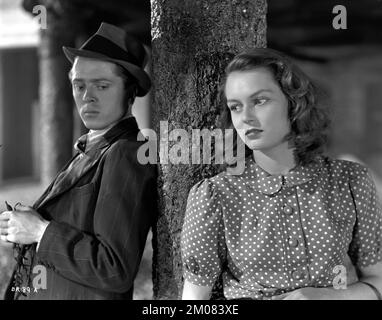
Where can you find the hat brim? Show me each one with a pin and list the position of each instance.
(143, 80)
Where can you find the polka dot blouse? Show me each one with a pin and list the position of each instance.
(269, 234)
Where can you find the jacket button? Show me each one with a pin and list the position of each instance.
(288, 210)
(292, 242)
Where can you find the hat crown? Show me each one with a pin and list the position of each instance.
(113, 44)
(122, 39)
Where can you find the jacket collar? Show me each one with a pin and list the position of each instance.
(123, 126)
(84, 161)
(260, 180)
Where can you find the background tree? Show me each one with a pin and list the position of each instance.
(192, 41)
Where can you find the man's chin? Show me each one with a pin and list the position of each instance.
(92, 125)
(97, 125)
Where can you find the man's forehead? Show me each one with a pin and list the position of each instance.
(92, 68)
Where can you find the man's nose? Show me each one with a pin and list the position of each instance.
(88, 95)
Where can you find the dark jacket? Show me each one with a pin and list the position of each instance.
(100, 212)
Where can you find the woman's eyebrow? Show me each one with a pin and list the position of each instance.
(255, 94)
(260, 91)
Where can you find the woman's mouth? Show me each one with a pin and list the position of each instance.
(253, 133)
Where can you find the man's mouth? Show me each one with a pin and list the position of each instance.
(90, 112)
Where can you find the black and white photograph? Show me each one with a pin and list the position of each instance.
(219, 151)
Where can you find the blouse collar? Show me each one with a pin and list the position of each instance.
(268, 184)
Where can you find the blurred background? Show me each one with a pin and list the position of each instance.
(345, 63)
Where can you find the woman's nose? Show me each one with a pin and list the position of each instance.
(248, 114)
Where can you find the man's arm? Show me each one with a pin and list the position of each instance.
(109, 258)
(23, 226)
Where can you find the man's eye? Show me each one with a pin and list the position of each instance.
(78, 87)
(102, 86)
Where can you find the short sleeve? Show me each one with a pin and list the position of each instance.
(202, 240)
(365, 248)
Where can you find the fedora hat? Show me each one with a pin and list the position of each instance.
(114, 44)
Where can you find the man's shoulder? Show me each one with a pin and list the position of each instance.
(128, 141)
(127, 149)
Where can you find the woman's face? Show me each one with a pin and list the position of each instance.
(259, 109)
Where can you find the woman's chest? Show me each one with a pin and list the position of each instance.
(301, 220)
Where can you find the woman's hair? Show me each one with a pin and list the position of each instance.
(309, 121)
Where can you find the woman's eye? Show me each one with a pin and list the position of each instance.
(260, 101)
(233, 107)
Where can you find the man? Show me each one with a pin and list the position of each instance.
(88, 229)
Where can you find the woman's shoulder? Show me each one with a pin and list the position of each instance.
(209, 186)
(346, 167)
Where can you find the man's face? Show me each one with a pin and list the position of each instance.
(98, 92)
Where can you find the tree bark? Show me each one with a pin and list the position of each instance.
(192, 41)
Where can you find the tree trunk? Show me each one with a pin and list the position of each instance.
(192, 42)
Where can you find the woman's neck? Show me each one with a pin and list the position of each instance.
(275, 161)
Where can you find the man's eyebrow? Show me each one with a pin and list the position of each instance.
(92, 80)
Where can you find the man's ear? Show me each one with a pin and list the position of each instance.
(131, 93)
(130, 107)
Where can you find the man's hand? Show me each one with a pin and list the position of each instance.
(310, 293)
(23, 226)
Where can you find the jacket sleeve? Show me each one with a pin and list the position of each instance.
(124, 211)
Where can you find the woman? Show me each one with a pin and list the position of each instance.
(287, 226)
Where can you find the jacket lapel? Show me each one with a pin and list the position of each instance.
(38, 202)
(81, 163)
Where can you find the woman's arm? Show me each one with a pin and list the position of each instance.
(371, 274)
(358, 291)
(195, 292)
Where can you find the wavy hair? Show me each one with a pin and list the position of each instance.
(309, 120)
